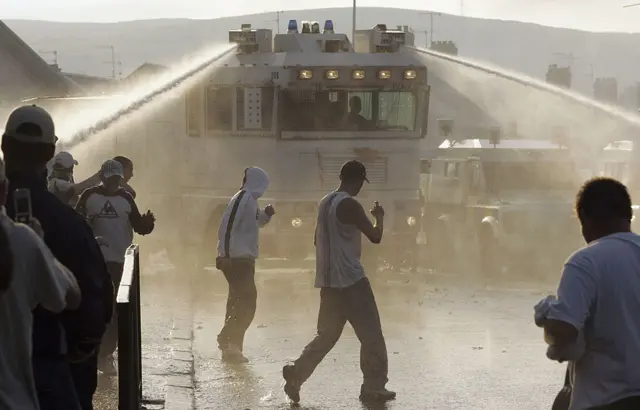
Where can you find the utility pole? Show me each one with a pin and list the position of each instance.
(431, 14)
(353, 26)
(277, 20)
(426, 36)
(462, 8)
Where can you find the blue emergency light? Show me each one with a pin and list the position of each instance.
(328, 26)
(293, 26)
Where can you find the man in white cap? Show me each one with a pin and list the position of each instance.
(61, 181)
(113, 215)
(64, 344)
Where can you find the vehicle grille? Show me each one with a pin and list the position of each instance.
(376, 169)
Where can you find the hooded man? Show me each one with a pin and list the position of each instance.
(237, 252)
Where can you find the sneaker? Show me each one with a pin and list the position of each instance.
(107, 366)
(376, 395)
(233, 354)
(291, 386)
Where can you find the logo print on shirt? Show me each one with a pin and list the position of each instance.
(108, 211)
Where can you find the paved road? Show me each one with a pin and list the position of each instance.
(452, 345)
(163, 297)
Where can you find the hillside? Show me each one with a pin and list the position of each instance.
(523, 47)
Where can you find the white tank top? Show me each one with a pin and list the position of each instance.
(338, 246)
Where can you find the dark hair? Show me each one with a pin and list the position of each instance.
(34, 154)
(603, 199)
(6, 260)
(124, 161)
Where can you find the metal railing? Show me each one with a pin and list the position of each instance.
(129, 333)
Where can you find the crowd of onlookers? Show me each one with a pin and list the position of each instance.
(58, 271)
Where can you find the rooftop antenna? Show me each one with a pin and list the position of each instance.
(55, 55)
(113, 59)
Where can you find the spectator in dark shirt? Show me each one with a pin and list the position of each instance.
(64, 345)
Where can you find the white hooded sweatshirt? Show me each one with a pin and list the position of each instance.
(249, 217)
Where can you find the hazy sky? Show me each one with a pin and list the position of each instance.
(597, 15)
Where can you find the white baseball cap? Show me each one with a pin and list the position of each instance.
(111, 168)
(64, 159)
(43, 130)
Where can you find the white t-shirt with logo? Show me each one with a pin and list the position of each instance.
(113, 217)
(38, 279)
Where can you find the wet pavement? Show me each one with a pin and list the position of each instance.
(453, 344)
(163, 297)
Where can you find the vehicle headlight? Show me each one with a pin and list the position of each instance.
(410, 74)
(411, 221)
(305, 74)
(332, 74)
(296, 222)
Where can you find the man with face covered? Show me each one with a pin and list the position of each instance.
(237, 252)
(60, 179)
(113, 215)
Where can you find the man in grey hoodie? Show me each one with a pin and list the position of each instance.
(237, 252)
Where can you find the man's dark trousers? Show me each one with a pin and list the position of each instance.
(55, 387)
(241, 302)
(630, 403)
(85, 378)
(357, 305)
(110, 338)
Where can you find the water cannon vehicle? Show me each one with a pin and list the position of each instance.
(299, 105)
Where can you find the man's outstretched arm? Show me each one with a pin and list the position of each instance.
(350, 212)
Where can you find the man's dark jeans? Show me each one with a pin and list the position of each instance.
(241, 302)
(54, 384)
(356, 305)
(110, 338)
(629, 403)
(85, 378)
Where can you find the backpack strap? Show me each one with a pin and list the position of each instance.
(232, 217)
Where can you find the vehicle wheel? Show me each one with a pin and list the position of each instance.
(489, 250)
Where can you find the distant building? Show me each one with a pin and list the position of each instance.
(24, 74)
(142, 74)
(606, 90)
(559, 76)
(445, 47)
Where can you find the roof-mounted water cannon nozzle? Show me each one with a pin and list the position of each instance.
(245, 27)
(306, 27)
(328, 27)
(292, 28)
(381, 27)
(315, 27)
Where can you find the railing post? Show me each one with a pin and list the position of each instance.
(129, 333)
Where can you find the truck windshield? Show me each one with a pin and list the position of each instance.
(549, 176)
(348, 110)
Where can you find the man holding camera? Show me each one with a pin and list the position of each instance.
(61, 342)
(237, 253)
(345, 291)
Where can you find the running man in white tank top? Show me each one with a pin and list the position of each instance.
(345, 291)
